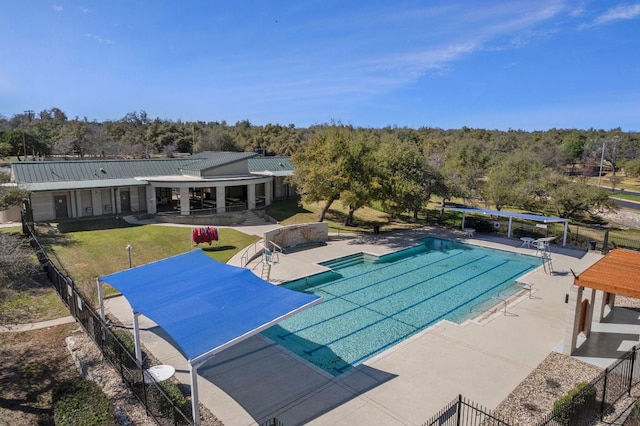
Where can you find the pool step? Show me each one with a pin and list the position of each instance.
(343, 262)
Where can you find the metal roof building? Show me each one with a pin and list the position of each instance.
(218, 181)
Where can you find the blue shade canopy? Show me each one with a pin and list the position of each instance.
(203, 304)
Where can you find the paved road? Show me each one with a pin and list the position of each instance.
(626, 204)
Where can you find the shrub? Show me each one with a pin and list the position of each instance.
(126, 339)
(81, 402)
(576, 407)
(172, 391)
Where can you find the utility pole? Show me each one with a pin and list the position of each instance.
(24, 141)
(601, 161)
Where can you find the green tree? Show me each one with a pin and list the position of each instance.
(407, 180)
(573, 146)
(362, 178)
(10, 195)
(464, 169)
(632, 168)
(513, 180)
(336, 164)
(135, 127)
(572, 200)
(14, 140)
(73, 138)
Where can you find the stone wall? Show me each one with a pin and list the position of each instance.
(298, 235)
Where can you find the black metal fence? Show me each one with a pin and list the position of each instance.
(463, 412)
(580, 236)
(152, 395)
(591, 402)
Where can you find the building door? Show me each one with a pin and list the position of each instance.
(125, 202)
(60, 202)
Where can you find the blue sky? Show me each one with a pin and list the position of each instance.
(530, 65)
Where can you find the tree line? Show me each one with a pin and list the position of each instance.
(402, 168)
(541, 172)
(136, 135)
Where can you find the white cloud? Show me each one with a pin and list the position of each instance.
(98, 38)
(577, 11)
(474, 32)
(618, 13)
(57, 8)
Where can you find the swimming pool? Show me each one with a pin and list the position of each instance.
(371, 303)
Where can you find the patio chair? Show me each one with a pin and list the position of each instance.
(469, 232)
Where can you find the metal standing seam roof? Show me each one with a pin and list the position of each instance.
(218, 160)
(84, 174)
(271, 164)
(93, 170)
(618, 272)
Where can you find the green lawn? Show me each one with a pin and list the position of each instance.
(289, 212)
(87, 250)
(626, 196)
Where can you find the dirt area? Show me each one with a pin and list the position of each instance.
(130, 411)
(627, 218)
(533, 399)
(33, 363)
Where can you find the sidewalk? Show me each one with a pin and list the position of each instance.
(256, 380)
(16, 328)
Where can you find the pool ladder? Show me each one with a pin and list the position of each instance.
(505, 301)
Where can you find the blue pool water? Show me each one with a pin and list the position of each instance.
(372, 303)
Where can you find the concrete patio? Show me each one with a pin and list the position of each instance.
(484, 360)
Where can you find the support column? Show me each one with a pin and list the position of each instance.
(114, 201)
(602, 305)
(251, 196)
(75, 205)
(152, 203)
(184, 201)
(221, 201)
(268, 192)
(572, 319)
(136, 337)
(101, 299)
(195, 407)
(589, 316)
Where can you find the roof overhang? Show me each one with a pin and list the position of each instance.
(279, 173)
(197, 179)
(79, 185)
(618, 272)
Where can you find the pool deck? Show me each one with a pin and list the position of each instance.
(257, 380)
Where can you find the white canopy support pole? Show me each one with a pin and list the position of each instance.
(101, 299)
(509, 230)
(136, 336)
(566, 230)
(195, 403)
(463, 216)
